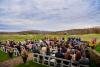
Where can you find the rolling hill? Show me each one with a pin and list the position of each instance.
(95, 30)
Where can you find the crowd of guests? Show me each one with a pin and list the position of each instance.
(13, 48)
(73, 49)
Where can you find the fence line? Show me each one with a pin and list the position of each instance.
(47, 60)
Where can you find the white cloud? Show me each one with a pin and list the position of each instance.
(49, 14)
(22, 21)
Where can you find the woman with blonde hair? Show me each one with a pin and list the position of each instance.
(24, 54)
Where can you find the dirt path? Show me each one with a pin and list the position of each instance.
(15, 61)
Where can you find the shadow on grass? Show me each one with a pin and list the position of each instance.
(30, 64)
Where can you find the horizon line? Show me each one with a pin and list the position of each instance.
(51, 30)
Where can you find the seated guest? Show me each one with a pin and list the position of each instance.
(18, 48)
(87, 54)
(78, 55)
(67, 55)
(35, 48)
(43, 50)
(73, 55)
(84, 60)
(48, 50)
(10, 52)
(63, 50)
(59, 55)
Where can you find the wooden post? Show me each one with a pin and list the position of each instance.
(55, 64)
(49, 61)
(70, 63)
(61, 63)
(38, 58)
(6, 50)
(43, 59)
(33, 56)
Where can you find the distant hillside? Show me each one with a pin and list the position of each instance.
(28, 32)
(95, 30)
(34, 32)
(73, 31)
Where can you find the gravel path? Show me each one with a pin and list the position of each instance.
(15, 61)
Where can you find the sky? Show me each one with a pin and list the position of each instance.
(48, 15)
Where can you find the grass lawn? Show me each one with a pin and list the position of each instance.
(30, 64)
(3, 56)
(98, 47)
(18, 37)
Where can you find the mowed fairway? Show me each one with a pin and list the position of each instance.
(30, 64)
(16, 37)
(28, 36)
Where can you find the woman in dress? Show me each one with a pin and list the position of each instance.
(24, 54)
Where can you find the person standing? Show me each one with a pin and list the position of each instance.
(24, 54)
(10, 52)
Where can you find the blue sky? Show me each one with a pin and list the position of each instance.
(50, 15)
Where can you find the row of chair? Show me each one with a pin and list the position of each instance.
(52, 61)
(4, 49)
